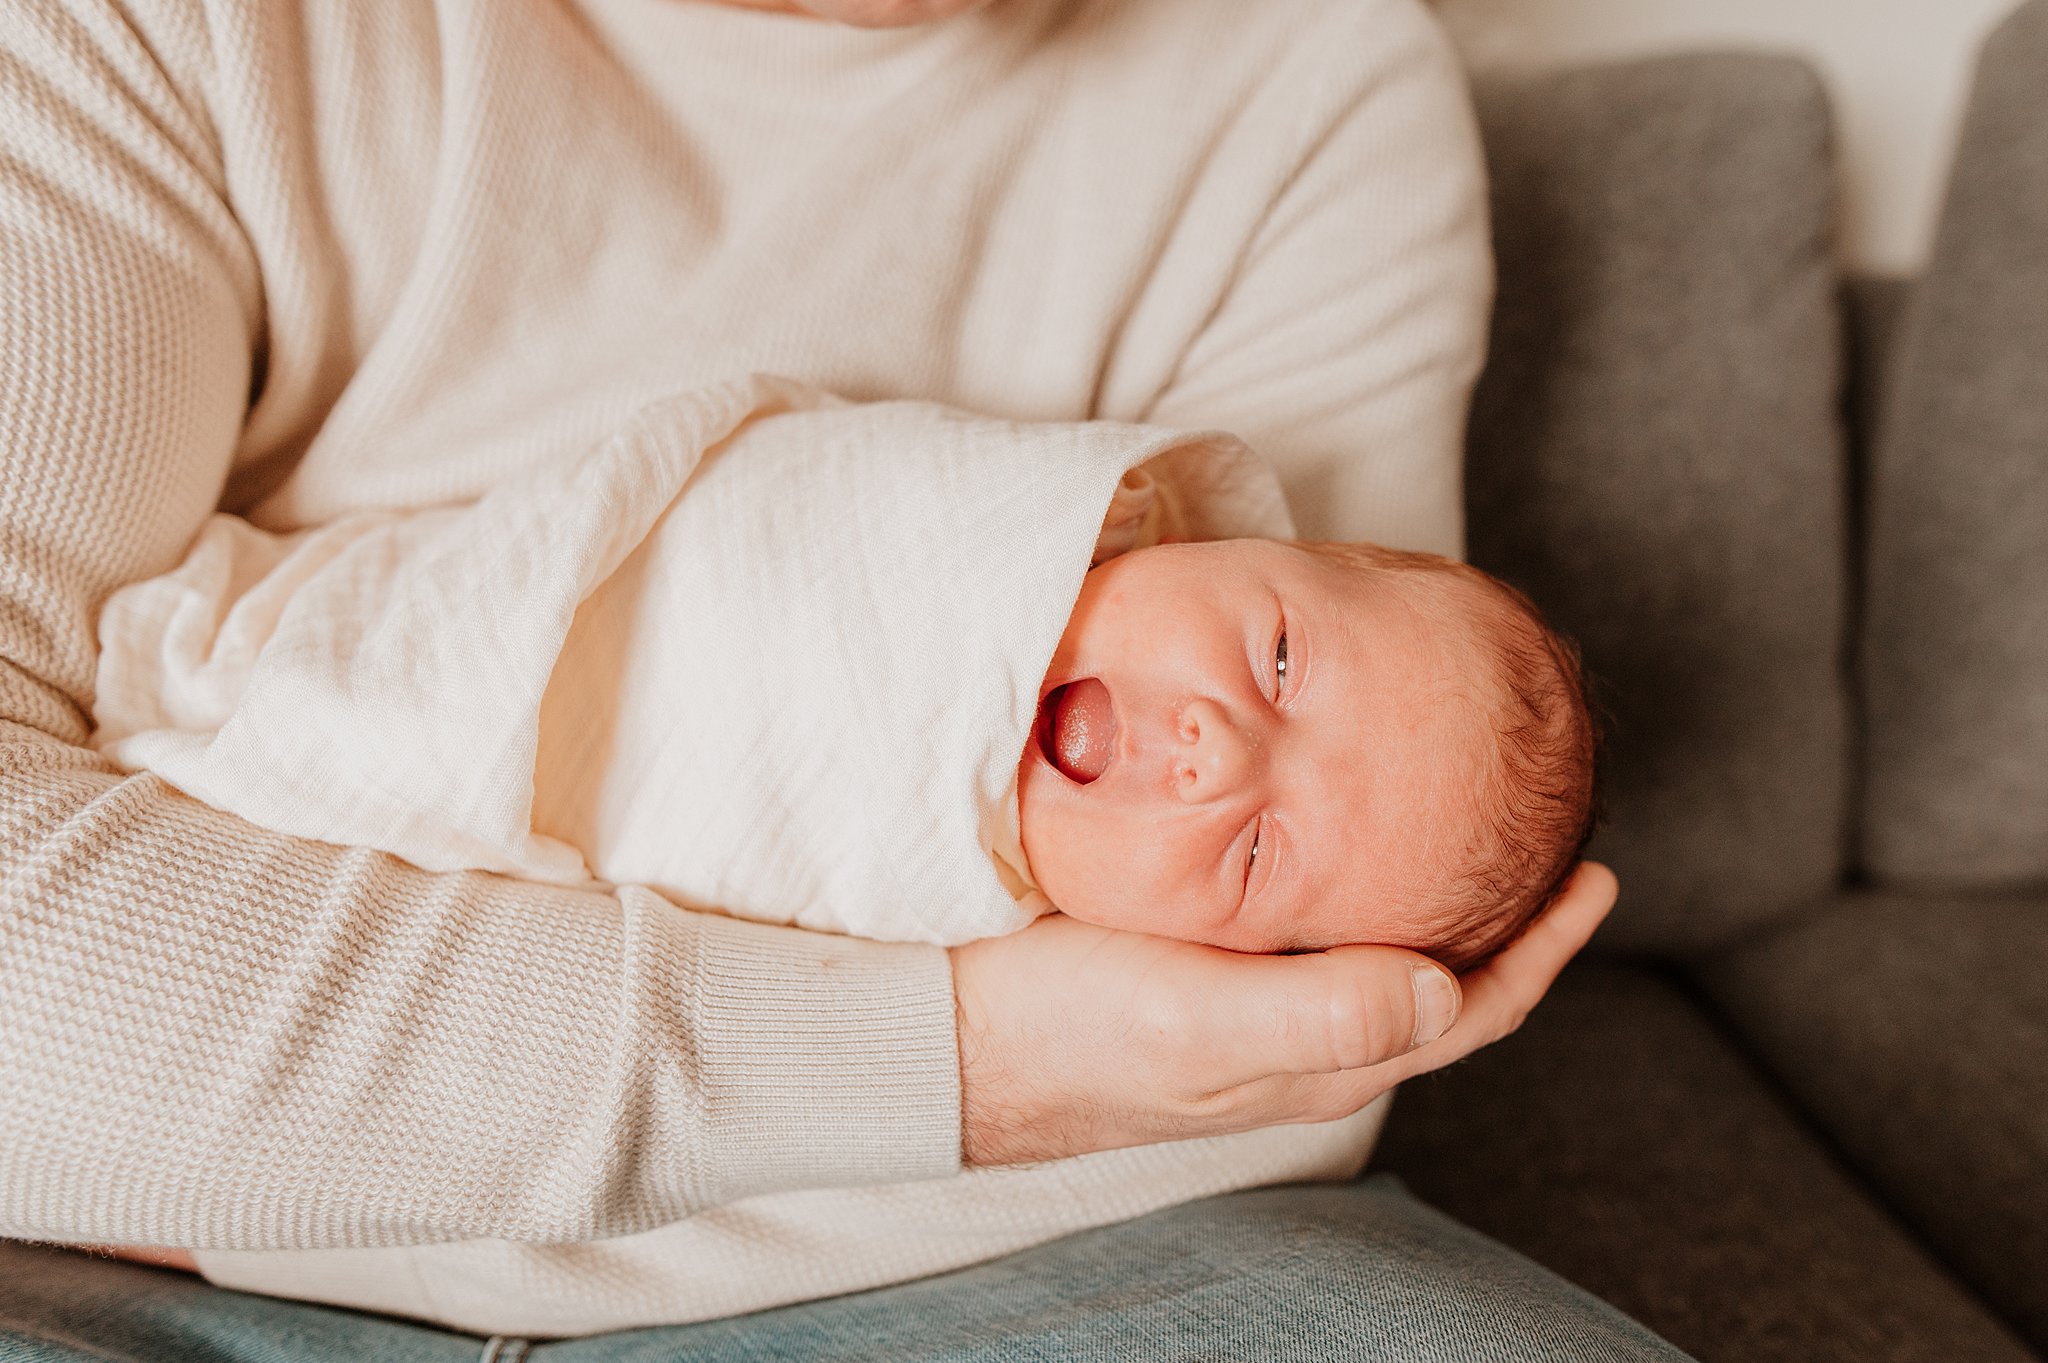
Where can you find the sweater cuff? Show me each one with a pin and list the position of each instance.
(825, 1061)
(382, 1280)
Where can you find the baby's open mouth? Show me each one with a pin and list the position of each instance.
(1077, 729)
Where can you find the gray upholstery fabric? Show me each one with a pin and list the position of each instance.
(1875, 308)
(1916, 1031)
(1956, 652)
(1619, 1141)
(1657, 457)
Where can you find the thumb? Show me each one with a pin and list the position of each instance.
(1321, 1012)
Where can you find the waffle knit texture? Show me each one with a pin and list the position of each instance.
(277, 259)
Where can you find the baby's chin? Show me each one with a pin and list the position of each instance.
(1051, 859)
(1094, 896)
(1159, 919)
(1040, 832)
(1077, 903)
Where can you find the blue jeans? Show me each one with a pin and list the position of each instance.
(1361, 1271)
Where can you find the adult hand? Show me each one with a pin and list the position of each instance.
(1076, 1038)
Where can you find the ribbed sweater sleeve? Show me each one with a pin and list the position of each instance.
(212, 1035)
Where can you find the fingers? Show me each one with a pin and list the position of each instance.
(1352, 1008)
(1496, 999)
(1499, 996)
(1524, 972)
(1343, 1009)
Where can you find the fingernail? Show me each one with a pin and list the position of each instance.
(1436, 1003)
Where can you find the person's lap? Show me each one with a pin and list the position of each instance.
(1361, 1271)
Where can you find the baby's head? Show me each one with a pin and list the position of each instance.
(1276, 747)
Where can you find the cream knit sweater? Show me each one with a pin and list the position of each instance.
(279, 257)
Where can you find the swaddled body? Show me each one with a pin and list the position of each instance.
(797, 694)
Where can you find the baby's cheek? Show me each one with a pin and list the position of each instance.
(1068, 858)
(1114, 872)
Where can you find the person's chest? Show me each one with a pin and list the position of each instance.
(565, 215)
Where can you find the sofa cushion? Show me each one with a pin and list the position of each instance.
(57, 1306)
(1620, 1141)
(1916, 1032)
(1956, 645)
(1657, 457)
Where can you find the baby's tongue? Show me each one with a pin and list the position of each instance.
(1083, 729)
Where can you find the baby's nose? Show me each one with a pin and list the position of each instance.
(1214, 756)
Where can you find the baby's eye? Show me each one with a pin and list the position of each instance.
(1280, 661)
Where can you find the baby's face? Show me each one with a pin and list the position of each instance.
(1246, 744)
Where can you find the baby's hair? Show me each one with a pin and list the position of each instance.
(1541, 802)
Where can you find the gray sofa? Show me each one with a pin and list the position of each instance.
(1796, 1106)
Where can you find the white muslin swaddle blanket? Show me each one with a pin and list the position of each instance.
(769, 652)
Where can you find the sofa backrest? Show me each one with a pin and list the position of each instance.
(1657, 456)
(1955, 638)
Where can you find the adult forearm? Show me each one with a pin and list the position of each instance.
(215, 1036)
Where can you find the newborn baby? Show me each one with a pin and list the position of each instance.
(777, 655)
(1281, 747)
